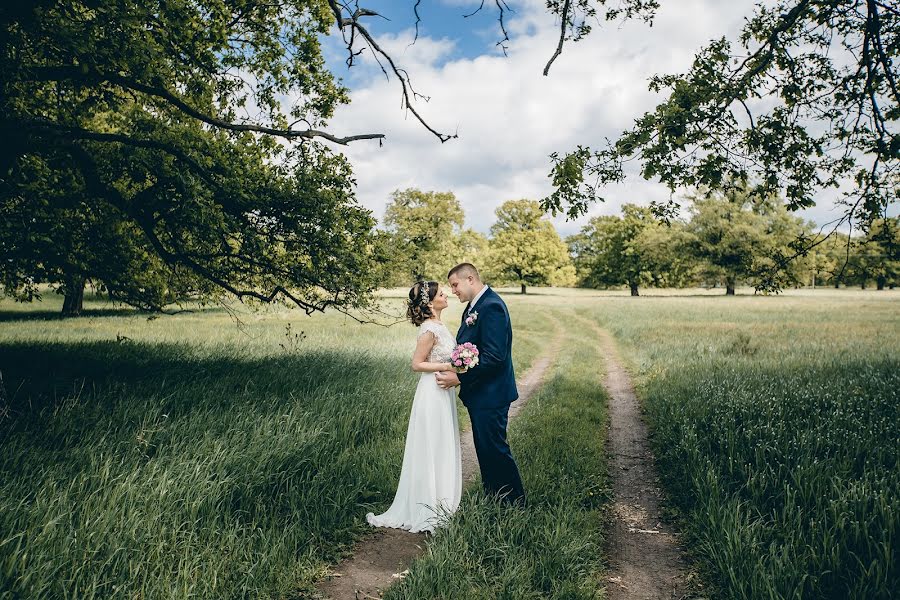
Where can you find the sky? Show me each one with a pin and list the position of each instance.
(508, 116)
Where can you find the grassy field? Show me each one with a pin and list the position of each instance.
(554, 547)
(776, 424)
(187, 456)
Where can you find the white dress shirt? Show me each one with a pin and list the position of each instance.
(477, 298)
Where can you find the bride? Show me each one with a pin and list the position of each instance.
(431, 477)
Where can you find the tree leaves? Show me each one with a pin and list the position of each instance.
(808, 103)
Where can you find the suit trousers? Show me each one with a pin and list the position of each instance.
(499, 473)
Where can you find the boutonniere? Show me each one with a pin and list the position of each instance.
(473, 316)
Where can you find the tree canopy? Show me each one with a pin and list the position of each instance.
(806, 100)
(427, 236)
(145, 148)
(628, 250)
(526, 249)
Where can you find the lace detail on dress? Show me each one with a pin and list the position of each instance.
(444, 342)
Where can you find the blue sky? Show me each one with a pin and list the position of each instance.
(471, 36)
(510, 117)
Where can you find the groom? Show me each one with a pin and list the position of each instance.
(489, 388)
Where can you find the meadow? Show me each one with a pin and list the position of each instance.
(195, 456)
(775, 425)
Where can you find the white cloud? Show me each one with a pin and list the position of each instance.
(510, 118)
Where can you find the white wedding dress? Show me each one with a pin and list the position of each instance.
(430, 484)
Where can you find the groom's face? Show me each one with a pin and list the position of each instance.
(462, 287)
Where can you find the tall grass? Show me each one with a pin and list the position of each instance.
(776, 424)
(552, 548)
(188, 457)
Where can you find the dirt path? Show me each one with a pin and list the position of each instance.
(645, 559)
(379, 558)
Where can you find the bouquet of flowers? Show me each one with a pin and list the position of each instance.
(464, 357)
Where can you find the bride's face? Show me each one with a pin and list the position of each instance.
(440, 301)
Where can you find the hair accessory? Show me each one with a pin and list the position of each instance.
(424, 293)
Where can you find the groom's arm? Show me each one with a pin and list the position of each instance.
(493, 347)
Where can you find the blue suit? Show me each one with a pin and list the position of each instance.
(487, 391)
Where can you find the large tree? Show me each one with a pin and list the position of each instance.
(633, 249)
(738, 238)
(426, 230)
(526, 249)
(874, 257)
(807, 99)
(147, 148)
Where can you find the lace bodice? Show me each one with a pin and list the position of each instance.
(444, 341)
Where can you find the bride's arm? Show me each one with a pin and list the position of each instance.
(423, 347)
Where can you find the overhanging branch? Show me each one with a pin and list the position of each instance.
(86, 74)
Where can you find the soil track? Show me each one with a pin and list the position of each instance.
(379, 559)
(646, 562)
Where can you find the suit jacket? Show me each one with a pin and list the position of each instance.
(492, 383)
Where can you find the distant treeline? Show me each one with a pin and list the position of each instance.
(726, 240)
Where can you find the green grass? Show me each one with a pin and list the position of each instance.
(185, 456)
(775, 423)
(552, 548)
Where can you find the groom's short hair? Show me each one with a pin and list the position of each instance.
(464, 270)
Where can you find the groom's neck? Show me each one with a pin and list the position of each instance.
(476, 291)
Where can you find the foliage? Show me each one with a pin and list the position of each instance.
(736, 239)
(634, 249)
(808, 100)
(127, 146)
(427, 235)
(526, 249)
(878, 257)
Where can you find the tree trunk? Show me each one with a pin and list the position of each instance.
(634, 288)
(523, 288)
(74, 300)
(862, 285)
(880, 281)
(729, 289)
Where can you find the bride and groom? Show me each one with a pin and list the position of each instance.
(430, 483)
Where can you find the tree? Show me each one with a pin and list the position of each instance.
(737, 238)
(874, 256)
(778, 264)
(426, 228)
(125, 160)
(726, 235)
(526, 249)
(469, 246)
(665, 250)
(883, 245)
(614, 250)
(810, 100)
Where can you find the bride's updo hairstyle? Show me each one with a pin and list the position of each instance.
(420, 295)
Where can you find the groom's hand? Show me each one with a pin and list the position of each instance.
(446, 379)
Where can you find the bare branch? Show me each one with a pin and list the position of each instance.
(418, 20)
(474, 12)
(355, 26)
(564, 20)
